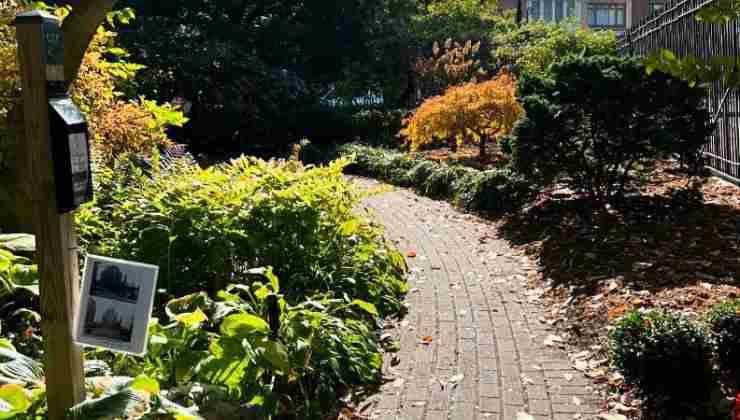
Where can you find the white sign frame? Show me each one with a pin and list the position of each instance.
(115, 308)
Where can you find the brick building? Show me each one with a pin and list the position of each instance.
(616, 15)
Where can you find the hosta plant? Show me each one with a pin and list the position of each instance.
(23, 393)
(249, 349)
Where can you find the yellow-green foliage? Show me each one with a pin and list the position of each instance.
(472, 112)
(535, 45)
(117, 124)
(205, 227)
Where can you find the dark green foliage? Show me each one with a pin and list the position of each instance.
(441, 182)
(252, 68)
(324, 125)
(724, 320)
(593, 122)
(668, 358)
(494, 191)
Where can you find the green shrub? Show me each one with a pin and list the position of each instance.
(377, 127)
(441, 182)
(593, 122)
(492, 191)
(234, 347)
(534, 46)
(668, 358)
(419, 174)
(203, 227)
(724, 320)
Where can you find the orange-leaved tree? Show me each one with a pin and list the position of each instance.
(470, 113)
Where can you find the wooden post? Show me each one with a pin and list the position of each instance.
(56, 244)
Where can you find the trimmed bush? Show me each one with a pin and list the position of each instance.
(493, 191)
(724, 320)
(668, 358)
(594, 122)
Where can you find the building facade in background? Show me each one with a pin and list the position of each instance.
(617, 15)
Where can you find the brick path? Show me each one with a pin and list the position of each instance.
(468, 295)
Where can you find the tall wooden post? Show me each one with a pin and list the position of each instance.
(55, 236)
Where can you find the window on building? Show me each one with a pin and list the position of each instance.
(551, 10)
(547, 12)
(606, 15)
(655, 6)
(534, 9)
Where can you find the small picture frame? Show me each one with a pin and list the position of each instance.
(115, 304)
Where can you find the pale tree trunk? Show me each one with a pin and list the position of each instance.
(79, 29)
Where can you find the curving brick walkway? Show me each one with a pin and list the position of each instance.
(487, 358)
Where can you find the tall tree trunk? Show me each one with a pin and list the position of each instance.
(482, 152)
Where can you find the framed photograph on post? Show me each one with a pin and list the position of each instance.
(115, 304)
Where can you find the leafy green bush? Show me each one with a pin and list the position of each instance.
(492, 191)
(595, 121)
(204, 227)
(535, 45)
(724, 320)
(250, 347)
(442, 181)
(668, 358)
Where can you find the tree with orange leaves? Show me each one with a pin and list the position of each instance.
(469, 113)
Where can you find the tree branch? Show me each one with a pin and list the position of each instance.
(79, 29)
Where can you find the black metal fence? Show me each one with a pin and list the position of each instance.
(676, 28)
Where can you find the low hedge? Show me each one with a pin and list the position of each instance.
(724, 321)
(668, 358)
(493, 191)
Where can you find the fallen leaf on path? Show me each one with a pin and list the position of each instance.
(411, 254)
(610, 416)
(427, 339)
(552, 340)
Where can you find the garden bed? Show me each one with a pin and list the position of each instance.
(658, 250)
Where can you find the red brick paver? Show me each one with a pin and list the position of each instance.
(487, 358)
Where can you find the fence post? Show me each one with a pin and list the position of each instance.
(39, 45)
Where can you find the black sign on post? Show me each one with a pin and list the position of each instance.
(71, 154)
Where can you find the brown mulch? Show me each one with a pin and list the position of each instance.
(656, 250)
(466, 156)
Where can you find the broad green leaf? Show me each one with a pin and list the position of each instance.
(192, 319)
(366, 306)
(13, 401)
(145, 383)
(350, 227)
(5, 343)
(276, 354)
(241, 325)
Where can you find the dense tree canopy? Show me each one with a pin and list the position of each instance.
(253, 65)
